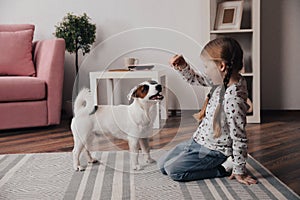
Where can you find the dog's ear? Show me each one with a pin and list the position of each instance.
(138, 92)
(131, 93)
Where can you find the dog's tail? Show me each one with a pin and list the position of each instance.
(84, 103)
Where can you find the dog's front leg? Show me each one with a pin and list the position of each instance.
(144, 143)
(134, 152)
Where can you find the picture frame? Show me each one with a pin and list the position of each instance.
(229, 15)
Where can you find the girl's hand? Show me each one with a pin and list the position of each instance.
(245, 179)
(178, 62)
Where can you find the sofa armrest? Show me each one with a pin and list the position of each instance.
(48, 58)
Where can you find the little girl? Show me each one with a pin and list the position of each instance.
(219, 145)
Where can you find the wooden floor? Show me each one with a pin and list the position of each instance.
(275, 142)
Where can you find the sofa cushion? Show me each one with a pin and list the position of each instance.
(23, 114)
(21, 88)
(16, 27)
(16, 51)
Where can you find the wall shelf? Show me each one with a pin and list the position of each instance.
(231, 31)
(247, 74)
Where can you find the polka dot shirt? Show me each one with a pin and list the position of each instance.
(233, 140)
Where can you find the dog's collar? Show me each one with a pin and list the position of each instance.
(94, 110)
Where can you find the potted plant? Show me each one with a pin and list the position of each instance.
(79, 34)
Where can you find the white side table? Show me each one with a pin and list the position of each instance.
(110, 76)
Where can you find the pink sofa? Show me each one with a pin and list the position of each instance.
(33, 96)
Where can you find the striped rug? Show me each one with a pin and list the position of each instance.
(50, 176)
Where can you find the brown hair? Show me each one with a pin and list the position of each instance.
(229, 51)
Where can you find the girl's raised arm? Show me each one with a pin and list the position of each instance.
(187, 72)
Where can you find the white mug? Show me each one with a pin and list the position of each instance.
(131, 61)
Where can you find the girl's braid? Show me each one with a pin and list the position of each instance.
(217, 117)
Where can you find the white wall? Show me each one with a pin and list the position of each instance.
(280, 60)
(279, 37)
(115, 16)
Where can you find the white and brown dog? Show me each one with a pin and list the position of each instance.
(133, 122)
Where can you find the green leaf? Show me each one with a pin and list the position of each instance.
(77, 31)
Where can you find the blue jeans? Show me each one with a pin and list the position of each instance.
(190, 161)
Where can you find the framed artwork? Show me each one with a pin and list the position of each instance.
(229, 15)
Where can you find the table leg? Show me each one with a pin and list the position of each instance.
(93, 88)
(156, 123)
(164, 102)
(110, 91)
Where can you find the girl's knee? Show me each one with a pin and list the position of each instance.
(161, 166)
(178, 177)
(163, 171)
(174, 173)
(160, 163)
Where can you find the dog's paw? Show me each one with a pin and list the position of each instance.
(150, 160)
(92, 161)
(136, 167)
(79, 168)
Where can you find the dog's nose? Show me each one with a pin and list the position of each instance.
(158, 88)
